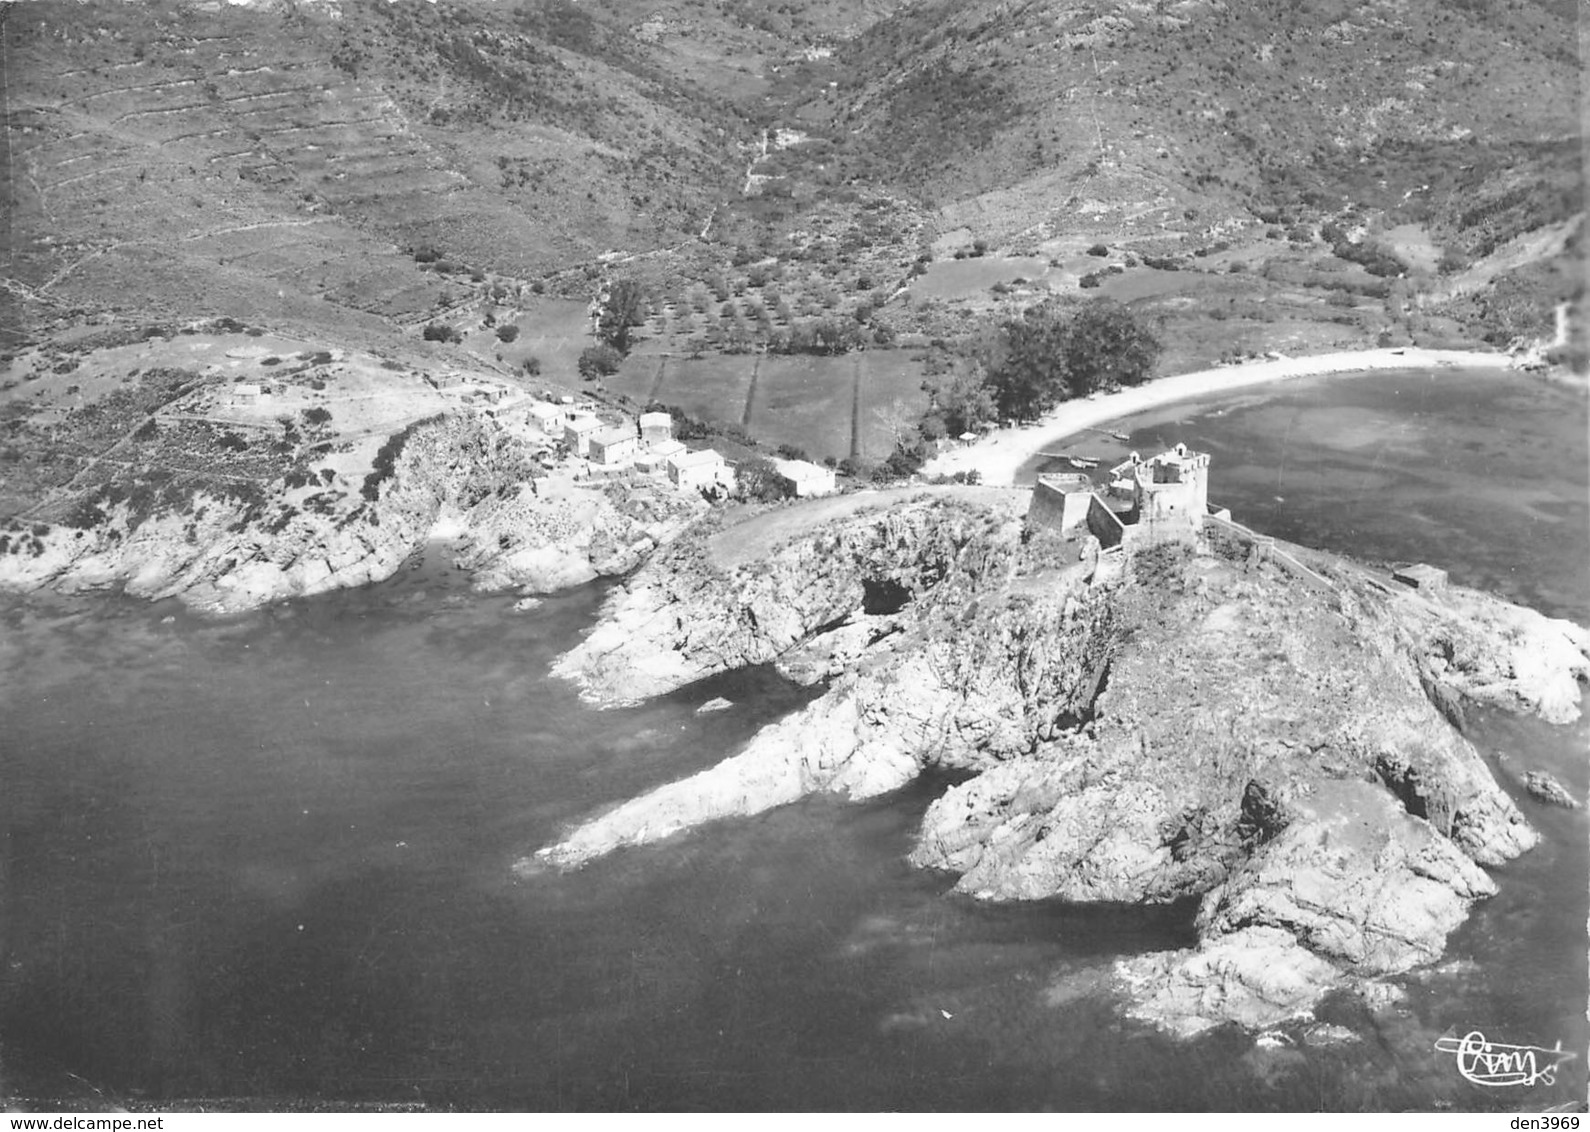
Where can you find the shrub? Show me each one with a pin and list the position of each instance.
(600, 360)
(758, 480)
(532, 366)
(386, 459)
(439, 332)
(1099, 250)
(317, 416)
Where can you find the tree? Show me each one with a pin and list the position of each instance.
(1030, 375)
(600, 360)
(625, 308)
(507, 332)
(962, 399)
(1106, 345)
(758, 479)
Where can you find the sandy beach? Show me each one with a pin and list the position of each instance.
(999, 455)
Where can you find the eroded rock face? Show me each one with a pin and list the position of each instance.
(1188, 726)
(454, 475)
(681, 619)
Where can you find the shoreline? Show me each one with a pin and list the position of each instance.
(1000, 454)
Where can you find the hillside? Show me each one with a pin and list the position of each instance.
(173, 160)
(847, 179)
(1230, 106)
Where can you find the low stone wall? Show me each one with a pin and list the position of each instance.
(1270, 551)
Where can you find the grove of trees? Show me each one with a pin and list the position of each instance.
(1047, 356)
(1050, 353)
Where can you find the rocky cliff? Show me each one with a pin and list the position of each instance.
(457, 476)
(1177, 725)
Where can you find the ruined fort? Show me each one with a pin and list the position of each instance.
(1163, 499)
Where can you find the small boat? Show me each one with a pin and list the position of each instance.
(1074, 461)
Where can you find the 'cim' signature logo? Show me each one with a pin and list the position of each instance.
(1495, 1064)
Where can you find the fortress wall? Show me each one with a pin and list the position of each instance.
(1047, 509)
(1059, 503)
(1103, 523)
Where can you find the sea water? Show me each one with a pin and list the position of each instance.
(267, 861)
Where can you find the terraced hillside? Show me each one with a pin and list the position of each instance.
(354, 169)
(275, 159)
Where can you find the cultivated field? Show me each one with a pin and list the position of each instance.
(855, 405)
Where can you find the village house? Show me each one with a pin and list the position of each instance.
(549, 418)
(705, 468)
(655, 428)
(245, 394)
(577, 433)
(805, 478)
(655, 457)
(611, 446)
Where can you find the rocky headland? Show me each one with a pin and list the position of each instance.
(1188, 722)
(459, 477)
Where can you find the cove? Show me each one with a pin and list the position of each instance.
(264, 862)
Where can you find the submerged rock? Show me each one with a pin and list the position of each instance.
(1543, 786)
(1178, 725)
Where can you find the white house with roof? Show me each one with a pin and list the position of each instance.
(655, 428)
(577, 433)
(806, 478)
(703, 468)
(611, 446)
(548, 417)
(656, 456)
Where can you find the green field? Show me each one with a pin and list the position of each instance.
(891, 398)
(805, 401)
(810, 402)
(711, 388)
(952, 279)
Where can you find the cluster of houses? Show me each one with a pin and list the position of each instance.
(646, 444)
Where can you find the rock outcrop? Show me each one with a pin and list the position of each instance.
(458, 476)
(1543, 786)
(683, 618)
(1180, 725)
